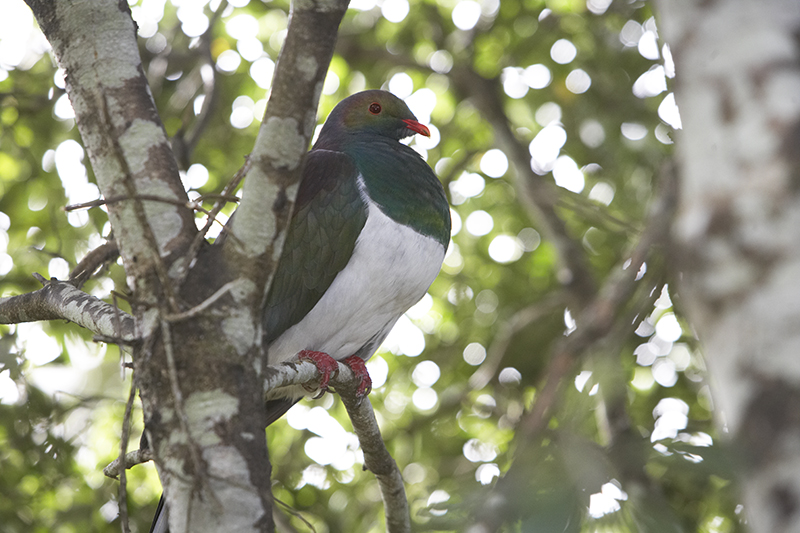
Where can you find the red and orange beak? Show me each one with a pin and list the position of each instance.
(416, 127)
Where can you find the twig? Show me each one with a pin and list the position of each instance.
(283, 522)
(200, 238)
(113, 339)
(205, 304)
(92, 261)
(123, 447)
(121, 198)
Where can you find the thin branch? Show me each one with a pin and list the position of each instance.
(378, 460)
(298, 373)
(208, 302)
(123, 447)
(200, 237)
(376, 457)
(91, 262)
(284, 526)
(121, 198)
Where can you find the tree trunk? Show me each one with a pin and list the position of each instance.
(738, 229)
(199, 369)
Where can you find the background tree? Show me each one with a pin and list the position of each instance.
(737, 233)
(547, 383)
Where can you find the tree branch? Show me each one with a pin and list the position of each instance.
(61, 300)
(376, 457)
(95, 43)
(284, 136)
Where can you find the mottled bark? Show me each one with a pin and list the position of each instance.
(738, 229)
(198, 358)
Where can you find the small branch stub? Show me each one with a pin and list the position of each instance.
(132, 459)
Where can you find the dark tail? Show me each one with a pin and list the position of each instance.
(160, 524)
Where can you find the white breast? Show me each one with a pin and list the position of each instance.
(391, 268)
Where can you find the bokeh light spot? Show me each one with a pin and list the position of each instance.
(474, 353)
(505, 249)
(578, 81)
(466, 14)
(563, 51)
(494, 163)
(479, 223)
(395, 10)
(568, 175)
(537, 76)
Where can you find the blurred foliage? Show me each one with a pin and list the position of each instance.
(636, 427)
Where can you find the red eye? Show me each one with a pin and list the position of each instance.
(374, 108)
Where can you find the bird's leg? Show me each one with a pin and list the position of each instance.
(358, 367)
(326, 365)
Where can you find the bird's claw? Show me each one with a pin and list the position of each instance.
(326, 365)
(358, 367)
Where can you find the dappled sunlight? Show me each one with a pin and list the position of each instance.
(494, 163)
(466, 14)
(586, 88)
(671, 415)
(607, 500)
(563, 51)
(394, 10)
(479, 223)
(505, 249)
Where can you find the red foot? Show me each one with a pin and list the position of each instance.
(326, 365)
(358, 367)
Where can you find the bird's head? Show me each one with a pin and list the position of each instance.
(373, 112)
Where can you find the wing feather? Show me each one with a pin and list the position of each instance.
(329, 215)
